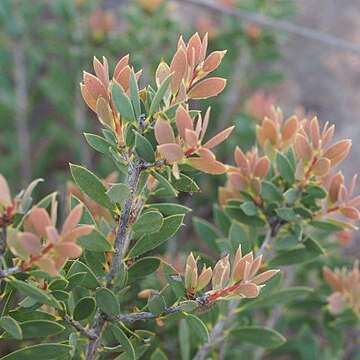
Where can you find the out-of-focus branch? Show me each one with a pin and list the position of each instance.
(21, 95)
(280, 25)
(10, 271)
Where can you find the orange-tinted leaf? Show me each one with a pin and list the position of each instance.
(95, 87)
(260, 279)
(37, 221)
(303, 149)
(315, 132)
(178, 67)
(171, 152)
(162, 71)
(262, 167)
(123, 62)
(290, 128)
(48, 265)
(269, 130)
(213, 61)
(207, 88)
(30, 243)
(69, 250)
(350, 212)
(240, 158)
(191, 137)
(90, 101)
(164, 133)
(335, 183)
(124, 78)
(104, 113)
(337, 152)
(322, 167)
(102, 70)
(211, 167)
(237, 181)
(205, 123)
(247, 291)
(219, 138)
(204, 45)
(72, 219)
(73, 235)
(183, 121)
(194, 49)
(5, 196)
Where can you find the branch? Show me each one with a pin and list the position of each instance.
(10, 271)
(79, 327)
(285, 26)
(3, 233)
(120, 245)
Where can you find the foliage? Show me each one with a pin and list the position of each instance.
(102, 287)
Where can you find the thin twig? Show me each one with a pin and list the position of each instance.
(281, 25)
(10, 271)
(3, 233)
(79, 327)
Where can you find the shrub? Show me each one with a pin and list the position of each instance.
(101, 286)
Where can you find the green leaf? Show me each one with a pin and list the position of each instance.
(124, 341)
(88, 281)
(11, 326)
(129, 134)
(286, 170)
(156, 304)
(184, 340)
(278, 297)
(188, 305)
(91, 185)
(185, 184)
(159, 95)
(164, 189)
(258, 335)
(75, 280)
(309, 252)
(96, 241)
(198, 328)
(84, 308)
(118, 193)
(98, 143)
(58, 284)
(144, 267)
(237, 236)
(316, 191)
(174, 280)
(33, 292)
(148, 242)
(169, 208)
(148, 223)
(307, 344)
(221, 219)
(86, 217)
(269, 191)
(144, 148)
(207, 232)
(158, 354)
(134, 94)
(326, 225)
(286, 214)
(40, 328)
(122, 102)
(107, 301)
(39, 352)
(249, 208)
(238, 214)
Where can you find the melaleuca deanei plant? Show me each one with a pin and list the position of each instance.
(88, 290)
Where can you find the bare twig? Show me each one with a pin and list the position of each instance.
(285, 26)
(3, 233)
(79, 327)
(120, 244)
(21, 96)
